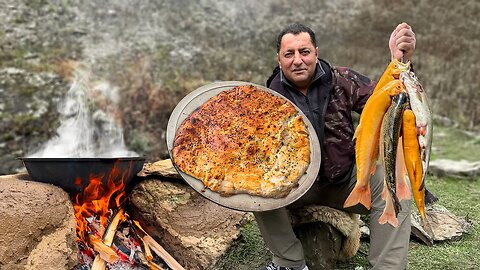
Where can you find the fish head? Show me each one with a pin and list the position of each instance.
(403, 67)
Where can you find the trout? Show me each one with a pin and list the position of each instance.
(423, 117)
(411, 150)
(367, 140)
(391, 73)
(389, 138)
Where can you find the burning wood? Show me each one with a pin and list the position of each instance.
(148, 252)
(159, 250)
(99, 263)
(104, 251)
(106, 236)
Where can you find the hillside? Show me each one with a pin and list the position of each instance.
(155, 52)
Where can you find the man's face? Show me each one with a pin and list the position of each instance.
(298, 58)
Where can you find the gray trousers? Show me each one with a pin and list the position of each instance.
(388, 245)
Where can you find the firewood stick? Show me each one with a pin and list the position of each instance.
(145, 254)
(150, 264)
(105, 252)
(112, 228)
(148, 252)
(158, 249)
(154, 266)
(141, 258)
(99, 263)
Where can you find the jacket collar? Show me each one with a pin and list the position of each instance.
(319, 73)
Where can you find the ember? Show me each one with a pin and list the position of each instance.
(107, 237)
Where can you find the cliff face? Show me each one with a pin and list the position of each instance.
(155, 52)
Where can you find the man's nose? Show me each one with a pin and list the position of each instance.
(297, 59)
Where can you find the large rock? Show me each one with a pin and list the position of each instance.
(195, 231)
(37, 225)
(162, 168)
(454, 168)
(444, 225)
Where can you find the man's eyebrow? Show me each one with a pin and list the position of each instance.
(300, 49)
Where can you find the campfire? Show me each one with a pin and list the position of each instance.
(108, 238)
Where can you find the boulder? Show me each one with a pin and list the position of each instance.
(454, 168)
(194, 230)
(162, 168)
(444, 225)
(38, 225)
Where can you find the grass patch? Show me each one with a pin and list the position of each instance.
(453, 143)
(248, 253)
(461, 197)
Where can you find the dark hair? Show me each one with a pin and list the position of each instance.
(296, 28)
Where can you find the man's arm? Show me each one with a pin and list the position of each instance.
(357, 87)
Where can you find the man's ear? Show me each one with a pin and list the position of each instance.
(316, 54)
(278, 60)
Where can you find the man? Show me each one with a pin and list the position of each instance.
(327, 95)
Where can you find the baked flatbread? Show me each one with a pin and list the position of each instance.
(244, 140)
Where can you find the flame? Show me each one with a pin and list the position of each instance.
(97, 200)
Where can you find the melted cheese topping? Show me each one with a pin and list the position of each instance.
(244, 140)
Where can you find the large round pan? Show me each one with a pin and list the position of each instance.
(242, 202)
(73, 174)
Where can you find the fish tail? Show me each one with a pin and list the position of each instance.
(388, 215)
(388, 218)
(359, 194)
(427, 227)
(424, 218)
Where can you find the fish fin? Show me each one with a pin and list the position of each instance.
(384, 191)
(359, 194)
(388, 218)
(427, 227)
(418, 174)
(388, 215)
(374, 160)
(357, 132)
(421, 131)
(374, 167)
(402, 188)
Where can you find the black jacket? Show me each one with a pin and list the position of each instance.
(334, 93)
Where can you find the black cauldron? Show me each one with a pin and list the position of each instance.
(73, 174)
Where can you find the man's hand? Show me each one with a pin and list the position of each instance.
(402, 42)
